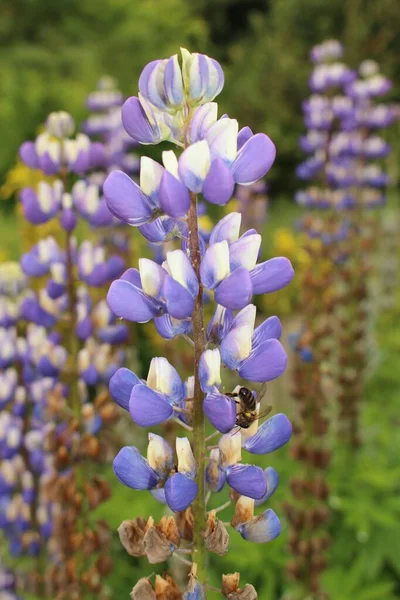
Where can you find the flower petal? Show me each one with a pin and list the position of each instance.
(227, 229)
(178, 300)
(164, 378)
(133, 470)
(254, 159)
(244, 252)
(173, 84)
(219, 184)
(266, 362)
(180, 492)
(214, 266)
(125, 199)
(247, 480)
(270, 436)
(174, 196)
(147, 407)
(121, 386)
(270, 328)
(244, 134)
(264, 528)
(210, 370)
(138, 123)
(168, 327)
(272, 484)
(131, 303)
(203, 117)
(272, 275)
(180, 268)
(152, 277)
(194, 164)
(236, 346)
(220, 410)
(236, 290)
(160, 455)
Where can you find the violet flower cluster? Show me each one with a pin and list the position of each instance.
(73, 345)
(176, 103)
(25, 513)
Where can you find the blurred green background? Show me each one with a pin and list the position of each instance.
(51, 56)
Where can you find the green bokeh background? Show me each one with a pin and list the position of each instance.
(51, 56)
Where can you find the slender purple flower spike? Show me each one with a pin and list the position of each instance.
(175, 104)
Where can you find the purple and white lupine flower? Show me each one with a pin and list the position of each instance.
(176, 103)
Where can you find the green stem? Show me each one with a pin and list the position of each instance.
(199, 445)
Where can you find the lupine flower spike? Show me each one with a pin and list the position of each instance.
(176, 102)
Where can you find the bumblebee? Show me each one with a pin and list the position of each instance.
(247, 401)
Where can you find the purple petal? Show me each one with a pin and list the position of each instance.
(244, 252)
(169, 328)
(270, 436)
(28, 155)
(227, 229)
(173, 84)
(220, 410)
(32, 267)
(272, 484)
(262, 529)
(236, 290)
(254, 159)
(243, 136)
(219, 184)
(133, 276)
(133, 470)
(159, 495)
(270, 328)
(215, 476)
(32, 211)
(180, 492)
(126, 200)
(266, 362)
(247, 480)
(272, 275)
(150, 85)
(214, 266)
(131, 303)
(136, 122)
(179, 303)
(203, 117)
(121, 386)
(148, 407)
(174, 196)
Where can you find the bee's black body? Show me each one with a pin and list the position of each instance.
(248, 407)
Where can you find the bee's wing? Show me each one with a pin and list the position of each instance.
(264, 412)
(261, 392)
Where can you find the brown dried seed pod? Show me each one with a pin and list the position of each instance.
(216, 535)
(184, 521)
(131, 535)
(143, 590)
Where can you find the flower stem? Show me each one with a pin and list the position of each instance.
(73, 345)
(199, 449)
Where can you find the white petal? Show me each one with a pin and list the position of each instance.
(150, 175)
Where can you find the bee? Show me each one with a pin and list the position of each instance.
(247, 401)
